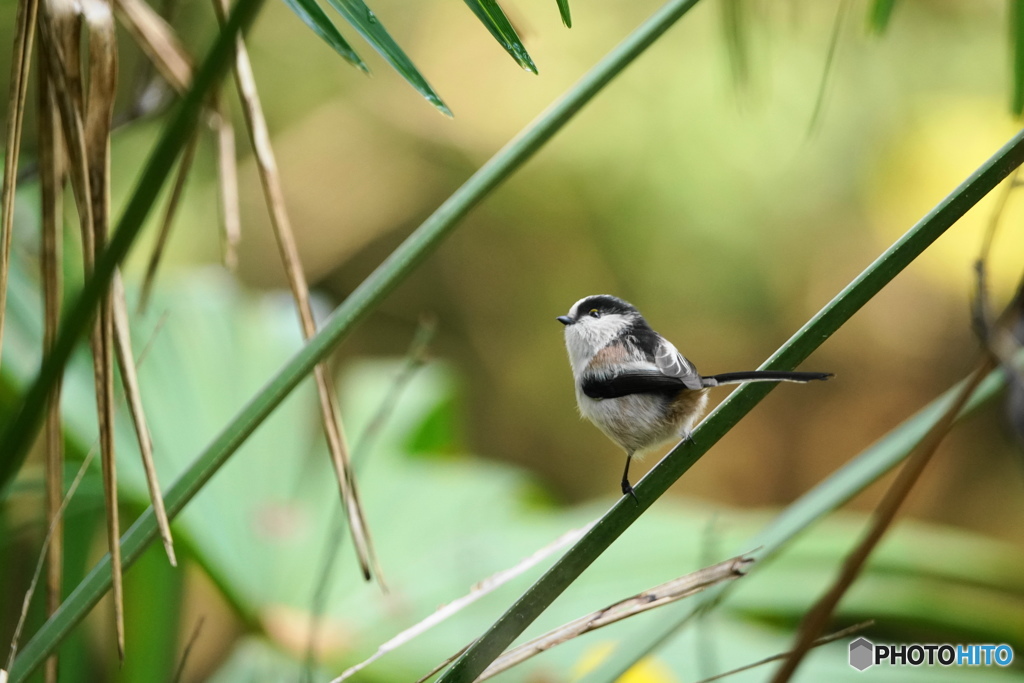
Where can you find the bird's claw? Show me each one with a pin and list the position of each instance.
(627, 489)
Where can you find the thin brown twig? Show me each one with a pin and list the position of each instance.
(133, 394)
(1002, 336)
(259, 136)
(824, 640)
(184, 166)
(815, 620)
(180, 670)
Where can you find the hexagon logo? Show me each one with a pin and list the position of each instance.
(862, 654)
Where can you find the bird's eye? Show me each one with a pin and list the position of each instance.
(594, 313)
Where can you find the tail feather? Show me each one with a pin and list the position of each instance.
(763, 376)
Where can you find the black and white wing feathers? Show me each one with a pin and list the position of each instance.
(668, 374)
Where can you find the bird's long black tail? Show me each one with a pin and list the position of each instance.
(762, 376)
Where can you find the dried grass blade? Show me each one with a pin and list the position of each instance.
(99, 19)
(25, 32)
(130, 379)
(184, 166)
(59, 38)
(677, 589)
(227, 176)
(274, 194)
(476, 592)
(158, 41)
(51, 182)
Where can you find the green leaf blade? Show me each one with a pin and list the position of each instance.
(493, 18)
(313, 16)
(563, 9)
(363, 20)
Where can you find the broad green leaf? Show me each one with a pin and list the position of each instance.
(313, 16)
(363, 19)
(491, 15)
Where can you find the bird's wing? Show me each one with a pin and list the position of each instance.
(669, 374)
(673, 364)
(638, 381)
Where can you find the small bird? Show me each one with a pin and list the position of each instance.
(633, 384)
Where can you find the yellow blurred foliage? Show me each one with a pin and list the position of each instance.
(647, 670)
(929, 157)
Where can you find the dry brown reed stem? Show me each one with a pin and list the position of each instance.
(25, 30)
(227, 176)
(158, 41)
(133, 394)
(676, 589)
(99, 106)
(51, 184)
(270, 179)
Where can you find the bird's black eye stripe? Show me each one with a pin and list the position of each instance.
(594, 313)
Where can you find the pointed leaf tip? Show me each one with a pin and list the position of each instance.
(563, 9)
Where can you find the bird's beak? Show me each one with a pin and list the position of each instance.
(564, 319)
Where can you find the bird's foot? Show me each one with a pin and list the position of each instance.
(627, 489)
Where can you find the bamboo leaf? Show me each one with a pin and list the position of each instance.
(491, 15)
(563, 9)
(372, 30)
(879, 15)
(313, 16)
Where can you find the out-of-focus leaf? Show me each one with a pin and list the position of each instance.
(491, 15)
(1017, 35)
(737, 41)
(313, 16)
(879, 15)
(372, 30)
(563, 9)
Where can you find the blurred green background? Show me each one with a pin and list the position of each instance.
(695, 186)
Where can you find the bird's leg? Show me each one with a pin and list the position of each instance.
(626, 487)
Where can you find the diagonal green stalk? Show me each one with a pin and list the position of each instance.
(819, 328)
(22, 428)
(369, 294)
